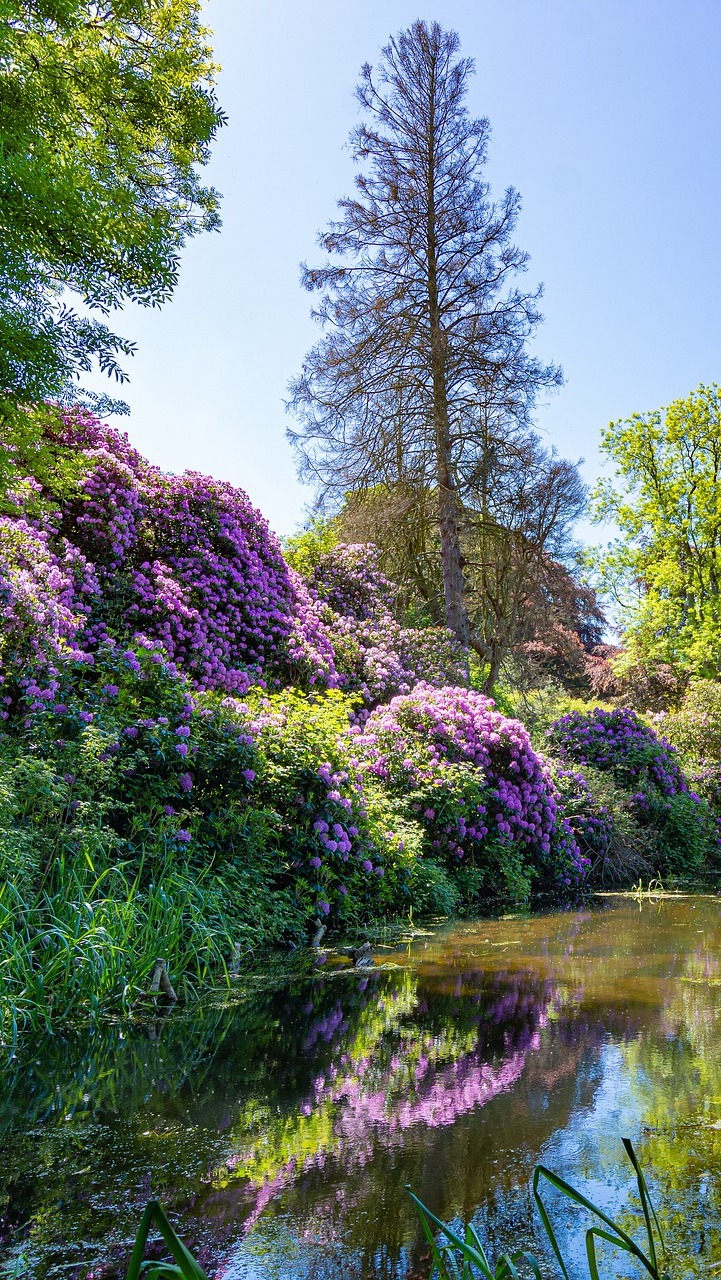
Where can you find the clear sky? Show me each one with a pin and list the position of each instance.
(606, 116)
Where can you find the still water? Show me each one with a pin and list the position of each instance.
(282, 1129)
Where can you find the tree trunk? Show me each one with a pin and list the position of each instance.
(448, 502)
(493, 671)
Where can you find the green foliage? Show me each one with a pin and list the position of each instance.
(683, 833)
(339, 844)
(442, 805)
(303, 551)
(105, 114)
(611, 1232)
(686, 834)
(666, 501)
(433, 892)
(695, 730)
(185, 1265)
(464, 1258)
(621, 850)
(37, 473)
(136, 822)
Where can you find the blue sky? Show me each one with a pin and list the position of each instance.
(606, 116)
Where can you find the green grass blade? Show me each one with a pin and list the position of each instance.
(546, 1221)
(472, 1238)
(141, 1239)
(592, 1235)
(646, 1204)
(571, 1194)
(505, 1267)
(187, 1267)
(466, 1250)
(531, 1261)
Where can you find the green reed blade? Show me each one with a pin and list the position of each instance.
(571, 1194)
(153, 1216)
(466, 1250)
(646, 1203)
(505, 1267)
(472, 1238)
(530, 1259)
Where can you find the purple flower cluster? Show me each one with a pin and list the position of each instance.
(420, 738)
(374, 654)
(189, 562)
(186, 559)
(310, 649)
(336, 855)
(617, 741)
(592, 821)
(46, 589)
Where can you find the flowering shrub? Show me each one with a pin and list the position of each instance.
(647, 766)
(619, 742)
(475, 783)
(45, 595)
(189, 562)
(310, 650)
(131, 753)
(185, 559)
(347, 578)
(265, 783)
(695, 730)
(374, 654)
(620, 850)
(343, 857)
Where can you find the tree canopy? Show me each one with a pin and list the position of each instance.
(106, 112)
(664, 570)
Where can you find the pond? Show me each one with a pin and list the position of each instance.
(282, 1128)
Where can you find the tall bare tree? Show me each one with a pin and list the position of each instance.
(423, 318)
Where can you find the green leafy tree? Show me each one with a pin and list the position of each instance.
(106, 112)
(664, 570)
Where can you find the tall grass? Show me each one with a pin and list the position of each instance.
(84, 942)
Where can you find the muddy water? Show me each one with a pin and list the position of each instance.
(282, 1130)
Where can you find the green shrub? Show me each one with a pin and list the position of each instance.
(620, 849)
(433, 892)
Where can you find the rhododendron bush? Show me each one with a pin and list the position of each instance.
(648, 769)
(473, 780)
(188, 561)
(374, 653)
(621, 743)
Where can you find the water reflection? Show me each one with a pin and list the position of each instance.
(283, 1131)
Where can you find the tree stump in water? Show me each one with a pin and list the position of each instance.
(161, 981)
(361, 956)
(319, 931)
